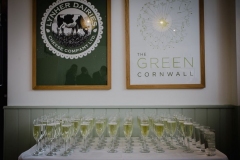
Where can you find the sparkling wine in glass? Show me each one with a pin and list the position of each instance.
(127, 130)
(84, 128)
(50, 133)
(65, 133)
(144, 132)
(158, 126)
(99, 127)
(188, 130)
(112, 131)
(37, 135)
(172, 126)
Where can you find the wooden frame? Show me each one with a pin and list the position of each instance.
(69, 35)
(155, 41)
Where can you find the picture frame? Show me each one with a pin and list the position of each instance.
(71, 45)
(164, 44)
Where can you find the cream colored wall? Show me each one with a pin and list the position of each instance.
(23, 102)
(219, 52)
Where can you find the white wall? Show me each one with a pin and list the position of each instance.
(219, 52)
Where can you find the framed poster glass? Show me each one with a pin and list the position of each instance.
(164, 44)
(71, 44)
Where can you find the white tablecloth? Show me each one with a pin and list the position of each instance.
(94, 154)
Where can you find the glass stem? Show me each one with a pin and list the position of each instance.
(37, 145)
(75, 140)
(159, 143)
(84, 143)
(50, 146)
(65, 144)
(99, 142)
(112, 147)
(183, 141)
(129, 141)
(188, 144)
(144, 143)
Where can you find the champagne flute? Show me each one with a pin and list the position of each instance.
(127, 130)
(57, 132)
(44, 123)
(105, 121)
(71, 132)
(112, 131)
(51, 133)
(159, 130)
(76, 128)
(144, 132)
(188, 130)
(166, 130)
(91, 120)
(65, 129)
(172, 125)
(99, 127)
(181, 121)
(84, 128)
(37, 135)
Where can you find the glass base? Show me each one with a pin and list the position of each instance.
(172, 148)
(144, 150)
(55, 150)
(50, 154)
(70, 150)
(182, 147)
(112, 151)
(65, 153)
(37, 153)
(84, 150)
(127, 150)
(41, 150)
(160, 151)
(99, 147)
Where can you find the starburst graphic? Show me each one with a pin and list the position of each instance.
(164, 23)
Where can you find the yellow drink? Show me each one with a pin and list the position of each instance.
(127, 129)
(50, 130)
(112, 129)
(37, 131)
(84, 129)
(99, 125)
(144, 129)
(171, 125)
(65, 131)
(188, 129)
(158, 128)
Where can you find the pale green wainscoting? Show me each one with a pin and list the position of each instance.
(18, 119)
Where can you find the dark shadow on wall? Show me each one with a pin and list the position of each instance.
(3, 68)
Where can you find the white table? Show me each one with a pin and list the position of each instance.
(94, 154)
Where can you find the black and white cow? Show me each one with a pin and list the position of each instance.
(67, 21)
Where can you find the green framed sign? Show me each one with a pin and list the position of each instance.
(71, 44)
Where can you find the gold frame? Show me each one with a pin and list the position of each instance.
(71, 87)
(166, 86)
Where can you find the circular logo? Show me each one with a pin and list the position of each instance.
(71, 29)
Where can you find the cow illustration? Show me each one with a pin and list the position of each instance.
(67, 21)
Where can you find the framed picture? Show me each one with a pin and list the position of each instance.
(71, 45)
(164, 44)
